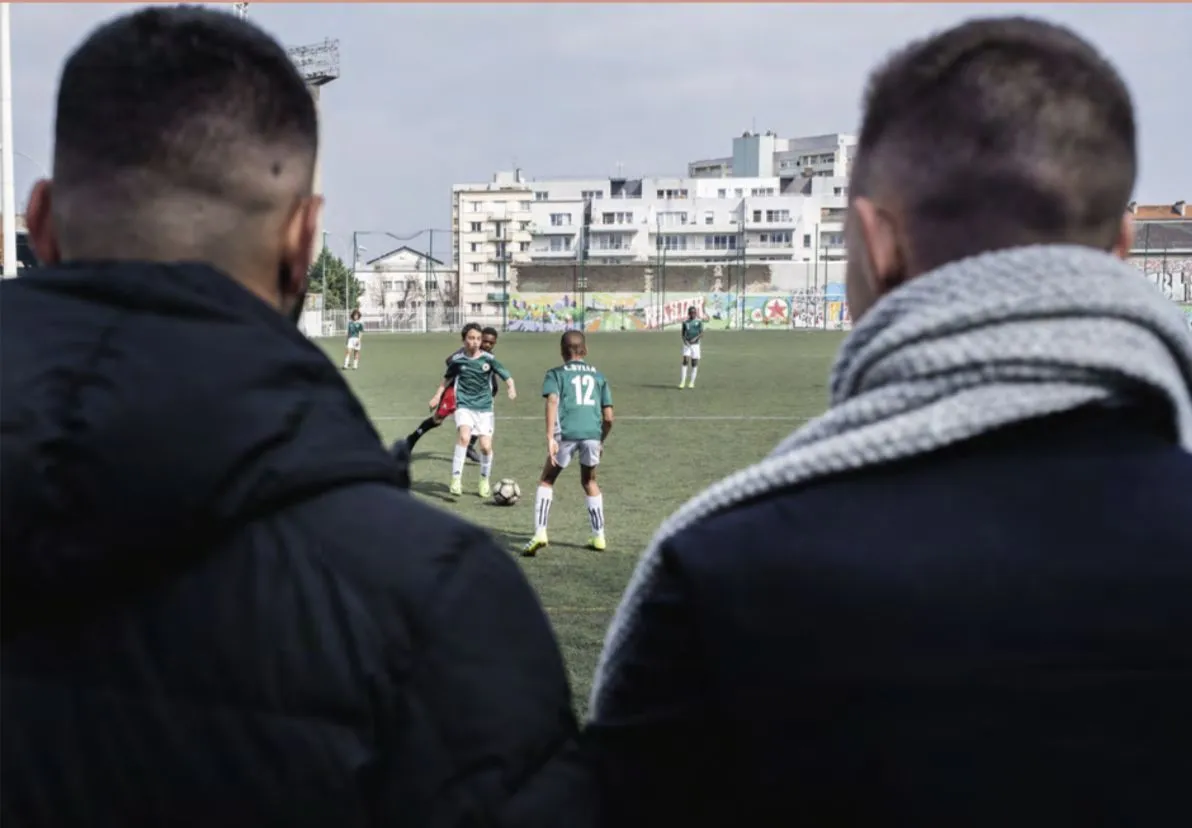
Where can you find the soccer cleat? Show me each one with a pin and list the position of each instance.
(535, 543)
(457, 486)
(691, 386)
(473, 454)
(597, 542)
(682, 385)
(485, 490)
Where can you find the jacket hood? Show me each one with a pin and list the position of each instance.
(148, 411)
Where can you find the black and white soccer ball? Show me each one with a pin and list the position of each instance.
(506, 492)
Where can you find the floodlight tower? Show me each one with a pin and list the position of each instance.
(319, 65)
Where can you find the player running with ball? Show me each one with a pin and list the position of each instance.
(693, 332)
(470, 374)
(446, 406)
(579, 417)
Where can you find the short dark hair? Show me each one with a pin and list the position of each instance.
(998, 133)
(573, 342)
(182, 102)
(471, 326)
(355, 314)
(490, 331)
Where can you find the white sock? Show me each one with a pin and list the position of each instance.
(596, 514)
(356, 362)
(683, 375)
(542, 502)
(694, 371)
(457, 460)
(347, 361)
(486, 464)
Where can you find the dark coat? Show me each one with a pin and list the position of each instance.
(998, 634)
(220, 607)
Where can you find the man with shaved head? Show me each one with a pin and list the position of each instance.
(219, 605)
(961, 597)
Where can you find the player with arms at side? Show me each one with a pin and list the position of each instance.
(692, 331)
(355, 334)
(579, 417)
(446, 407)
(470, 376)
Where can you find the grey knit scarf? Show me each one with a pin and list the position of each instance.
(982, 343)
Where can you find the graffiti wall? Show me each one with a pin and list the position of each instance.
(808, 309)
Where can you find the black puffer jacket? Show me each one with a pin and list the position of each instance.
(219, 606)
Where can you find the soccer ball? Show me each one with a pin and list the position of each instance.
(506, 493)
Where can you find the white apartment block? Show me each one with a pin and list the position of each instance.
(778, 217)
(765, 154)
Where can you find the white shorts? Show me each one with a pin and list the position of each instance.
(354, 344)
(480, 422)
(691, 351)
(588, 452)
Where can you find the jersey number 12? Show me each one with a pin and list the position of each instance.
(585, 388)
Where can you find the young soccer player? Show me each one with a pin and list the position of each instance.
(446, 407)
(355, 333)
(579, 417)
(692, 332)
(470, 374)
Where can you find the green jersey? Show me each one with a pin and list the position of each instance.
(473, 380)
(355, 329)
(693, 329)
(583, 394)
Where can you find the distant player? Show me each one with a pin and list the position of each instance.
(446, 407)
(692, 332)
(355, 333)
(469, 374)
(579, 417)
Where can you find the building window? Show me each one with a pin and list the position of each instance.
(542, 195)
(560, 219)
(757, 215)
(778, 215)
(720, 242)
(477, 307)
(669, 194)
(524, 206)
(477, 227)
(591, 194)
(475, 267)
(709, 218)
(672, 219)
(807, 240)
(560, 244)
(477, 207)
(523, 246)
(673, 242)
(473, 247)
(524, 225)
(616, 218)
(612, 241)
(722, 193)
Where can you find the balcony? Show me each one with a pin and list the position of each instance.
(554, 229)
(551, 253)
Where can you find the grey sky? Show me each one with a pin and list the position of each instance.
(431, 95)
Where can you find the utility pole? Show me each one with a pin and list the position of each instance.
(583, 255)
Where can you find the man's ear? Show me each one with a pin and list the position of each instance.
(39, 218)
(1125, 240)
(886, 265)
(299, 250)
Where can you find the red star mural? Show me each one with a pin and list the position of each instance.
(776, 309)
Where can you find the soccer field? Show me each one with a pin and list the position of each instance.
(753, 389)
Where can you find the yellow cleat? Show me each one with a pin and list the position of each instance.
(531, 549)
(597, 542)
(457, 486)
(682, 385)
(485, 490)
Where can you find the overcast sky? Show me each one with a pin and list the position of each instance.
(432, 95)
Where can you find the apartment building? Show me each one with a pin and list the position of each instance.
(694, 219)
(766, 154)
